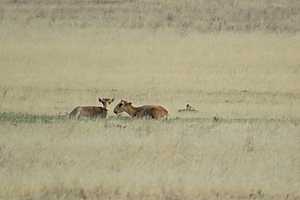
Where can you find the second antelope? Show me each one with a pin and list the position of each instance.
(146, 111)
(91, 111)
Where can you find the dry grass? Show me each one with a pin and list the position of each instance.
(125, 159)
(233, 75)
(249, 81)
(182, 15)
(60, 58)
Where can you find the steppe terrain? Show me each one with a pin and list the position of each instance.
(237, 62)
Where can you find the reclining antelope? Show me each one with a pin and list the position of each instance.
(146, 111)
(91, 111)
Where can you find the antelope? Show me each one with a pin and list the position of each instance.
(188, 108)
(91, 111)
(146, 111)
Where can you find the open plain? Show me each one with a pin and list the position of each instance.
(236, 62)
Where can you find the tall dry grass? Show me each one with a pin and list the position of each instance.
(55, 55)
(182, 15)
(249, 81)
(138, 159)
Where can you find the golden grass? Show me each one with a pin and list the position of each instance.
(231, 76)
(237, 75)
(114, 158)
(249, 81)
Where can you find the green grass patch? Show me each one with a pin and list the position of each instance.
(35, 118)
(30, 118)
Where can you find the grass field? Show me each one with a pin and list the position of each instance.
(244, 142)
(134, 159)
(182, 15)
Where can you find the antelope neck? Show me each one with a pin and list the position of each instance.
(131, 110)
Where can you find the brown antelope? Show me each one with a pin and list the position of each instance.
(188, 108)
(91, 111)
(147, 111)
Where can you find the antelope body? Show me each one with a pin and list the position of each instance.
(146, 111)
(91, 111)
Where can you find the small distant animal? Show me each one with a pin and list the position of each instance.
(146, 111)
(91, 111)
(216, 119)
(188, 108)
